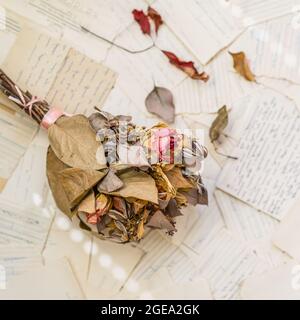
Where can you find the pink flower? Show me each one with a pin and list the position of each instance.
(163, 143)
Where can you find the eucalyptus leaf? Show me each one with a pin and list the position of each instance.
(219, 124)
(160, 102)
(77, 183)
(74, 143)
(137, 184)
(160, 221)
(54, 167)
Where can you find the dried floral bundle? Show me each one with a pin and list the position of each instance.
(115, 176)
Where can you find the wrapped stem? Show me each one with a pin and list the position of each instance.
(34, 107)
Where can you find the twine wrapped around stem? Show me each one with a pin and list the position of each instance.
(33, 106)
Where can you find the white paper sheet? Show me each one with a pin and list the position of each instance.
(53, 71)
(16, 133)
(214, 28)
(224, 87)
(29, 180)
(266, 174)
(281, 283)
(287, 236)
(23, 226)
(15, 260)
(205, 229)
(54, 281)
(225, 262)
(243, 220)
(272, 48)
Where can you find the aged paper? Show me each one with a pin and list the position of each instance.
(272, 48)
(54, 281)
(53, 71)
(223, 88)
(243, 220)
(17, 259)
(16, 133)
(266, 174)
(225, 262)
(81, 84)
(214, 28)
(29, 180)
(287, 236)
(281, 283)
(110, 267)
(23, 226)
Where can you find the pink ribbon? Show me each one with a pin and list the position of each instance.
(27, 106)
(50, 117)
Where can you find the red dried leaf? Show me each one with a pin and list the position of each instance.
(156, 17)
(142, 20)
(186, 66)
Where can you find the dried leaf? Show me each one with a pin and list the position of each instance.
(120, 205)
(77, 183)
(54, 167)
(177, 179)
(120, 226)
(172, 209)
(103, 204)
(138, 205)
(110, 183)
(160, 102)
(241, 65)
(142, 20)
(84, 223)
(140, 230)
(163, 199)
(186, 66)
(74, 143)
(194, 197)
(156, 17)
(98, 121)
(160, 221)
(103, 222)
(138, 185)
(180, 199)
(219, 124)
(116, 215)
(88, 204)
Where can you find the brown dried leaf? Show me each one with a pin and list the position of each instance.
(156, 17)
(160, 102)
(110, 183)
(172, 209)
(54, 167)
(137, 184)
(194, 197)
(74, 143)
(181, 199)
(103, 204)
(97, 121)
(177, 179)
(88, 204)
(120, 205)
(219, 124)
(77, 183)
(160, 221)
(138, 205)
(241, 65)
(116, 215)
(140, 230)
